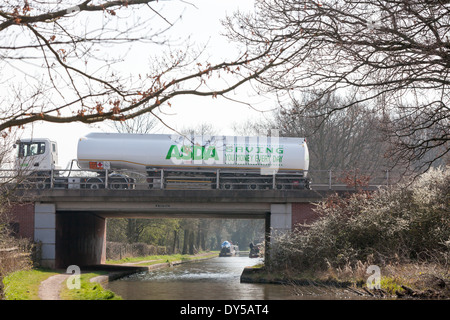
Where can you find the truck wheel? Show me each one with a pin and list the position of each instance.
(39, 184)
(118, 184)
(253, 185)
(226, 186)
(94, 183)
(26, 184)
(280, 186)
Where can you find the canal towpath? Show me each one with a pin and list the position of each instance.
(50, 289)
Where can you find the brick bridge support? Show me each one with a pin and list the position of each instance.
(302, 213)
(65, 238)
(288, 216)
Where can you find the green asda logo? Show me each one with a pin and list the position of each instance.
(192, 153)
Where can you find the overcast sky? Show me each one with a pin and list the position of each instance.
(201, 21)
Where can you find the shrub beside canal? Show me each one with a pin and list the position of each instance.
(401, 227)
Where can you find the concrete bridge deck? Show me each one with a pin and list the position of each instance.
(173, 203)
(70, 224)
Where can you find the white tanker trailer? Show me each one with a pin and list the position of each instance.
(227, 162)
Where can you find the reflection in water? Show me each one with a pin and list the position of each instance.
(212, 279)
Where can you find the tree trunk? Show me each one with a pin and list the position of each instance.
(185, 241)
(175, 238)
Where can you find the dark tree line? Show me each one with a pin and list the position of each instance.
(345, 140)
(186, 236)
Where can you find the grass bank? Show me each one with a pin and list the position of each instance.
(158, 259)
(24, 284)
(89, 290)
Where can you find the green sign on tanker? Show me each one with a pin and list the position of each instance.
(241, 149)
(233, 153)
(254, 155)
(192, 153)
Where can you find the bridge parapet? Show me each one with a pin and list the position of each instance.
(201, 179)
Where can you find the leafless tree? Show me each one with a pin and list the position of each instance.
(347, 139)
(143, 124)
(348, 142)
(67, 61)
(393, 56)
(201, 129)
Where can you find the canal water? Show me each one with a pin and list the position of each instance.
(212, 279)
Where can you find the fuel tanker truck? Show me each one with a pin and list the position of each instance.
(115, 160)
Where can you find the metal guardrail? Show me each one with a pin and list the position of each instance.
(194, 179)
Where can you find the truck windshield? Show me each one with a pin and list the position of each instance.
(27, 149)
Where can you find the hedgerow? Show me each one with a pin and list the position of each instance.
(406, 222)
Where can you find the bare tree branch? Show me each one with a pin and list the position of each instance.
(67, 63)
(392, 55)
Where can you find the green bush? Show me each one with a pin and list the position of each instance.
(404, 222)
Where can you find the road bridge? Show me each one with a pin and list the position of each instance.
(70, 224)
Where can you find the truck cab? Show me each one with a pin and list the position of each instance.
(36, 155)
